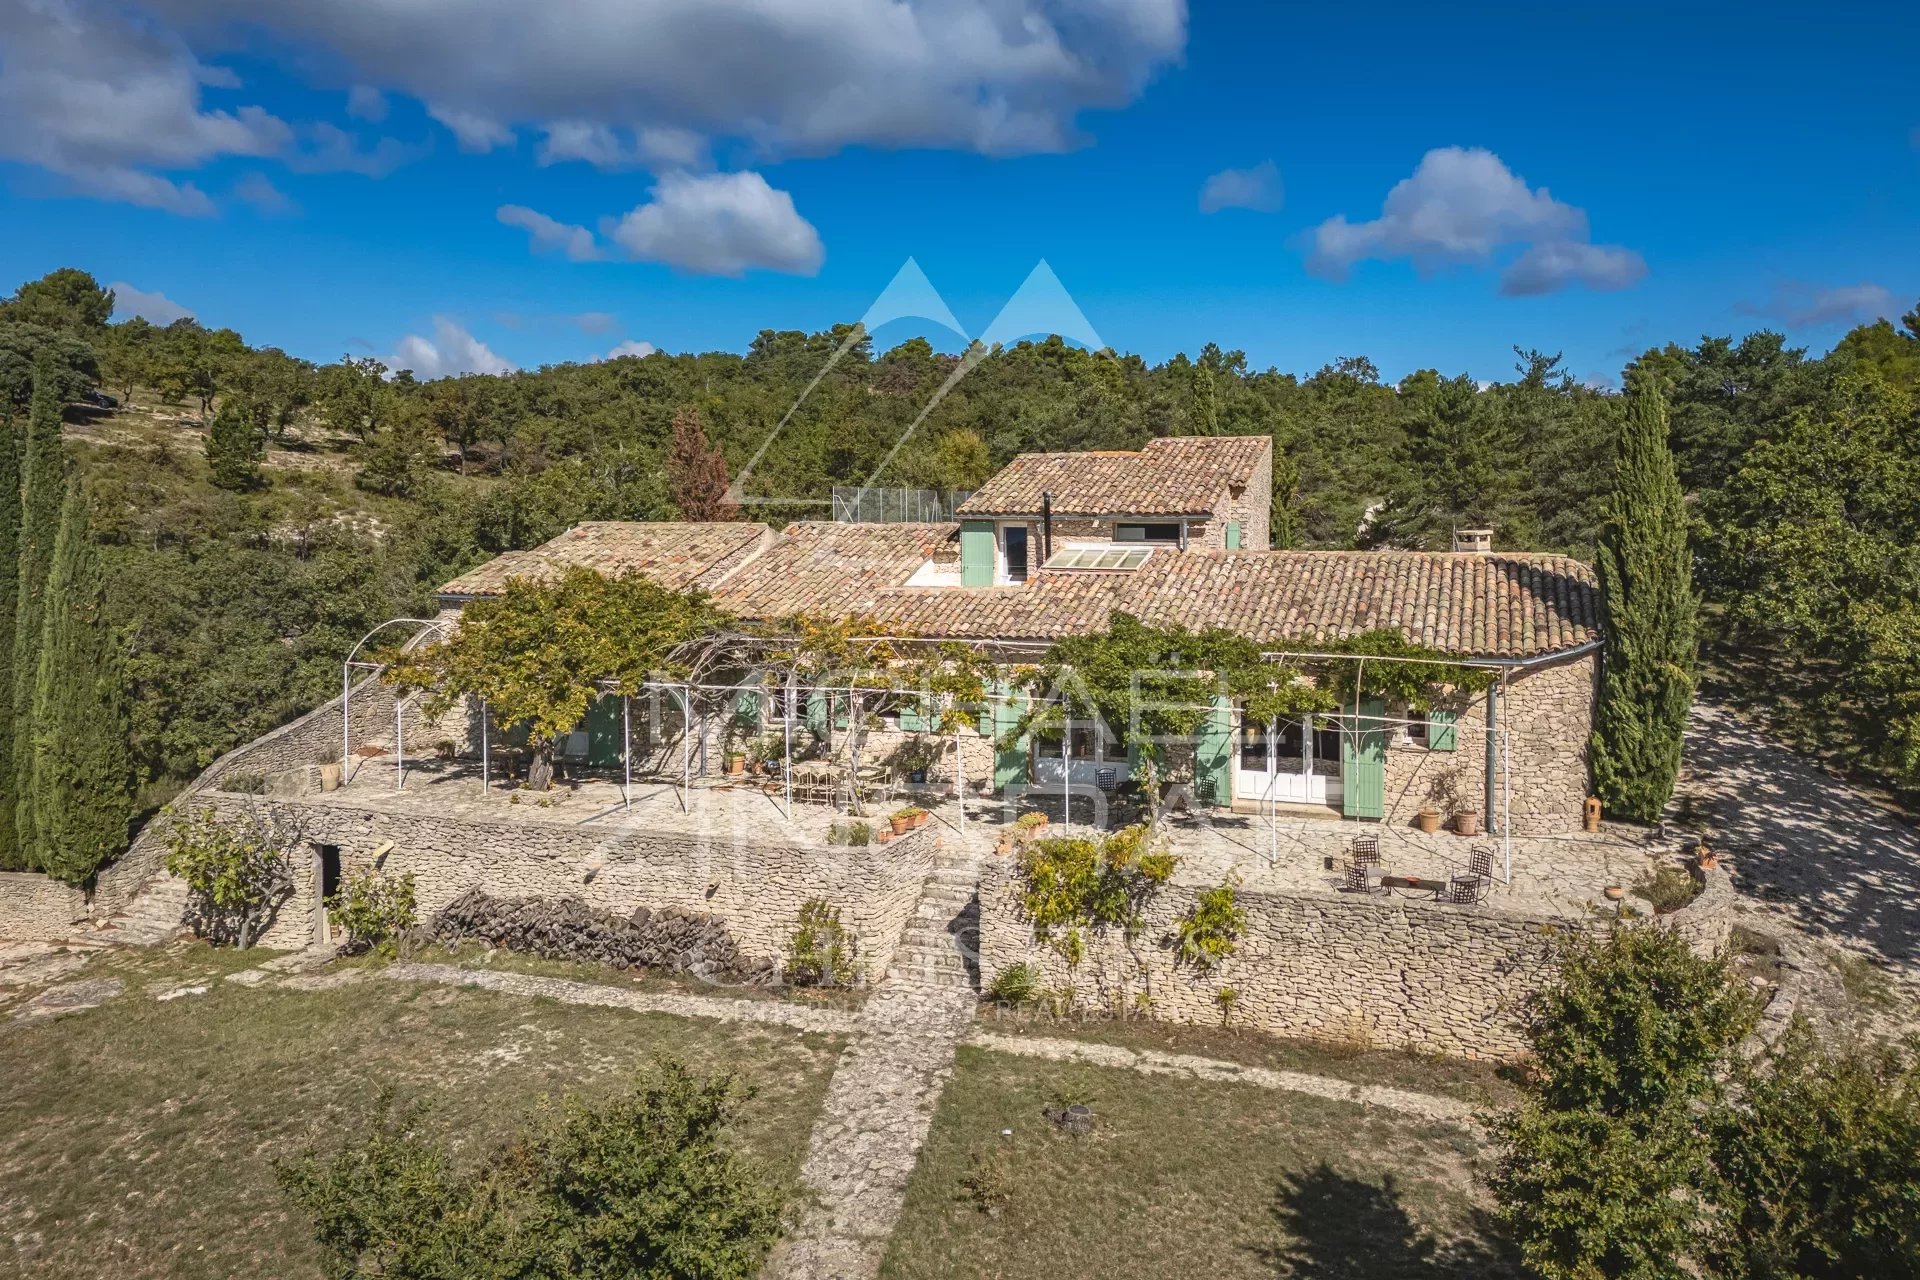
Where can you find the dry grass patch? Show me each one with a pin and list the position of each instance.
(1180, 1179)
(139, 1133)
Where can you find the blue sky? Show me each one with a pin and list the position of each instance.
(1424, 187)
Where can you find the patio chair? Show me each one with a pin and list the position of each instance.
(1105, 778)
(1480, 861)
(1354, 877)
(1466, 891)
(1365, 850)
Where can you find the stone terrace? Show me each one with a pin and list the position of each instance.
(1553, 875)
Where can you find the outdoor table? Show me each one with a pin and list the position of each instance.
(1418, 884)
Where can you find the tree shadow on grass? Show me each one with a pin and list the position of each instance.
(1343, 1228)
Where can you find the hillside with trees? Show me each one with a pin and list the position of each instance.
(255, 513)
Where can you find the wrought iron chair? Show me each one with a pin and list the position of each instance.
(1365, 850)
(1480, 861)
(1467, 891)
(1105, 779)
(1354, 877)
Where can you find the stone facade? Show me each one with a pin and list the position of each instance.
(757, 888)
(38, 908)
(1547, 713)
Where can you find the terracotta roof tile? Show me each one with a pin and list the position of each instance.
(823, 567)
(674, 554)
(1173, 475)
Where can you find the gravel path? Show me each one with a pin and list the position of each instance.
(1187, 1066)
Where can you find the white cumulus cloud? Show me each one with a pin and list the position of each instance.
(550, 234)
(1257, 188)
(1804, 305)
(1463, 206)
(788, 77)
(111, 105)
(451, 350)
(630, 348)
(719, 224)
(154, 308)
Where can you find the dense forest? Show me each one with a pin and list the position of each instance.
(257, 513)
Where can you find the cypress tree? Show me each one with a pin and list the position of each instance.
(233, 447)
(1650, 617)
(82, 770)
(43, 485)
(11, 858)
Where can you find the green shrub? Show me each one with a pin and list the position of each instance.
(988, 1182)
(821, 951)
(1071, 886)
(236, 870)
(1668, 889)
(1209, 933)
(646, 1183)
(372, 908)
(853, 833)
(1015, 985)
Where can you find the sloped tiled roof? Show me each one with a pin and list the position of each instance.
(675, 554)
(1505, 606)
(824, 567)
(1496, 606)
(1170, 476)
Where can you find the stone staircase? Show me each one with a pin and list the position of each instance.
(941, 944)
(156, 914)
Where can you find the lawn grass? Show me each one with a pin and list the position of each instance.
(1482, 1083)
(1181, 1178)
(139, 1134)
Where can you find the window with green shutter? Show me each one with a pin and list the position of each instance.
(1233, 535)
(1442, 735)
(976, 553)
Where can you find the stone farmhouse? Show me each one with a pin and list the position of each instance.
(1176, 532)
(652, 820)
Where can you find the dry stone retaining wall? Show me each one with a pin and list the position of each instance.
(757, 888)
(38, 908)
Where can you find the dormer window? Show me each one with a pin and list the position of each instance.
(1146, 533)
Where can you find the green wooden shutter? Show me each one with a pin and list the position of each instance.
(1363, 762)
(817, 714)
(910, 718)
(1441, 733)
(842, 705)
(746, 709)
(1010, 761)
(1233, 535)
(976, 553)
(1213, 753)
(604, 733)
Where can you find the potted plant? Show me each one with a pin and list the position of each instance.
(330, 769)
(901, 820)
(1427, 820)
(916, 756)
(736, 764)
(1466, 822)
(883, 835)
(1708, 858)
(918, 815)
(1614, 892)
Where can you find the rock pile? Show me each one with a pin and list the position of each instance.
(568, 929)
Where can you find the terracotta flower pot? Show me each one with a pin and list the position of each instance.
(1614, 892)
(920, 819)
(736, 767)
(900, 825)
(1708, 860)
(1427, 820)
(330, 777)
(1466, 824)
(882, 836)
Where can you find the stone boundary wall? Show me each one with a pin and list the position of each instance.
(756, 888)
(37, 908)
(1390, 973)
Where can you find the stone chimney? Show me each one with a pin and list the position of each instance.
(1478, 542)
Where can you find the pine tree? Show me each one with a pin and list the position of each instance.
(1650, 618)
(82, 769)
(233, 447)
(42, 489)
(11, 858)
(696, 472)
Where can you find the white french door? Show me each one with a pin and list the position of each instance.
(1294, 762)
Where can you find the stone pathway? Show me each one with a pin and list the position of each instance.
(886, 1085)
(1187, 1066)
(719, 1008)
(1802, 842)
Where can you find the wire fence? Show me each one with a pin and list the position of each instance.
(856, 505)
